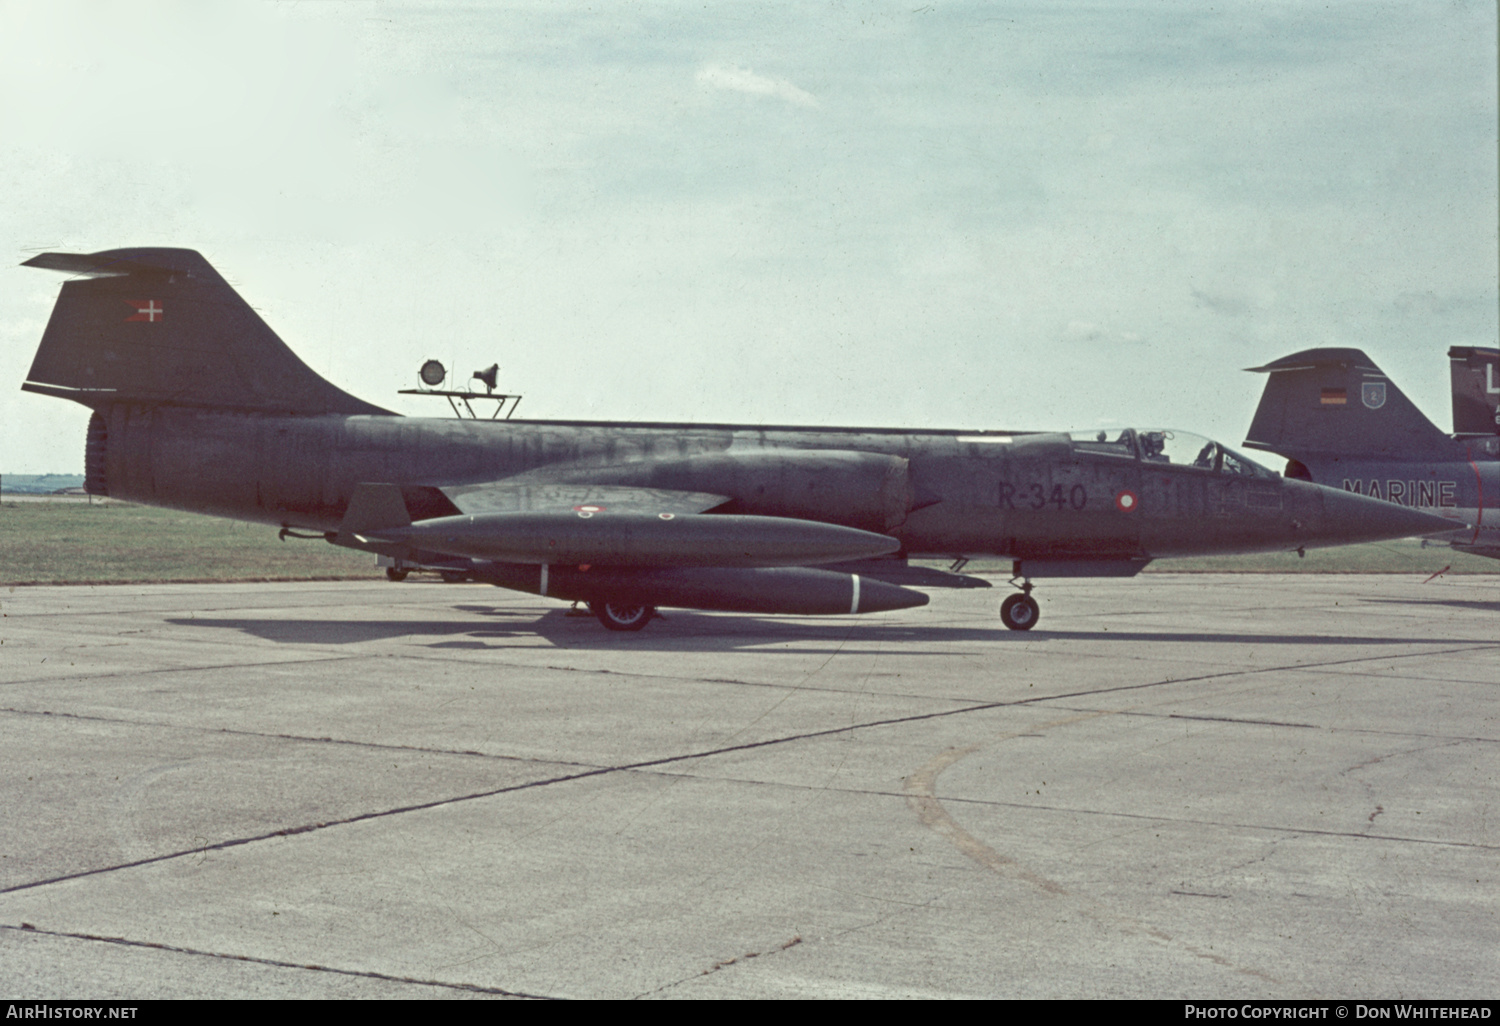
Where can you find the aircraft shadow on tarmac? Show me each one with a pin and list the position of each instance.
(676, 630)
(687, 631)
(1483, 607)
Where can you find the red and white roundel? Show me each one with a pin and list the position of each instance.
(1126, 501)
(588, 509)
(666, 516)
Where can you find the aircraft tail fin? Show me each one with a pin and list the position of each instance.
(1476, 390)
(1336, 402)
(161, 327)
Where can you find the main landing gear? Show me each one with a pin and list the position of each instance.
(1020, 612)
(622, 616)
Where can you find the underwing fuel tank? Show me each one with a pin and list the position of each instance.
(790, 591)
(642, 539)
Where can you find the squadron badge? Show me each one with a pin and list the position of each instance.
(1372, 394)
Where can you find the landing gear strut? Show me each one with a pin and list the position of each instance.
(1020, 612)
(621, 616)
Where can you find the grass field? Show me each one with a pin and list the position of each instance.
(70, 542)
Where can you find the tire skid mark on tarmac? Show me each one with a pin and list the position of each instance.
(921, 796)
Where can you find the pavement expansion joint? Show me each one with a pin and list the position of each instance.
(306, 738)
(724, 964)
(528, 785)
(1254, 671)
(276, 963)
(155, 672)
(1218, 824)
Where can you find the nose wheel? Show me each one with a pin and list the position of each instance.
(1020, 612)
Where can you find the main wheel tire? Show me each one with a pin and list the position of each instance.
(622, 616)
(1020, 612)
(392, 574)
(453, 576)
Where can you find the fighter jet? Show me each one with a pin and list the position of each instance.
(1340, 421)
(198, 405)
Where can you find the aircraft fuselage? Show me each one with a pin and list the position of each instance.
(1022, 496)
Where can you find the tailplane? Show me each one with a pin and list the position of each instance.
(161, 327)
(1336, 402)
(1476, 390)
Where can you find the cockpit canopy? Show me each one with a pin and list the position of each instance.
(1168, 445)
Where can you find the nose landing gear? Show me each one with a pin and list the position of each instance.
(1020, 612)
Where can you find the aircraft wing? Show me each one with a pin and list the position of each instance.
(547, 497)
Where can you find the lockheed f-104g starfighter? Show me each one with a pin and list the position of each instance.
(198, 405)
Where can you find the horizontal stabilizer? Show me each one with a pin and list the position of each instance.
(98, 265)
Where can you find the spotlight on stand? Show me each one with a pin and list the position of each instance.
(489, 376)
(433, 374)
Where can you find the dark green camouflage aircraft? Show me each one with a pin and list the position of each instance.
(199, 406)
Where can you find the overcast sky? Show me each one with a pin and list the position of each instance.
(990, 214)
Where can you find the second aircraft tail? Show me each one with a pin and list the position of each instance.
(1476, 390)
(1336, 402)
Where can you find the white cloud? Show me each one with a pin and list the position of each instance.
(1082, 331)
(743, 80)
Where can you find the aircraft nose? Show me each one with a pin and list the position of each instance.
(1345, 518)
